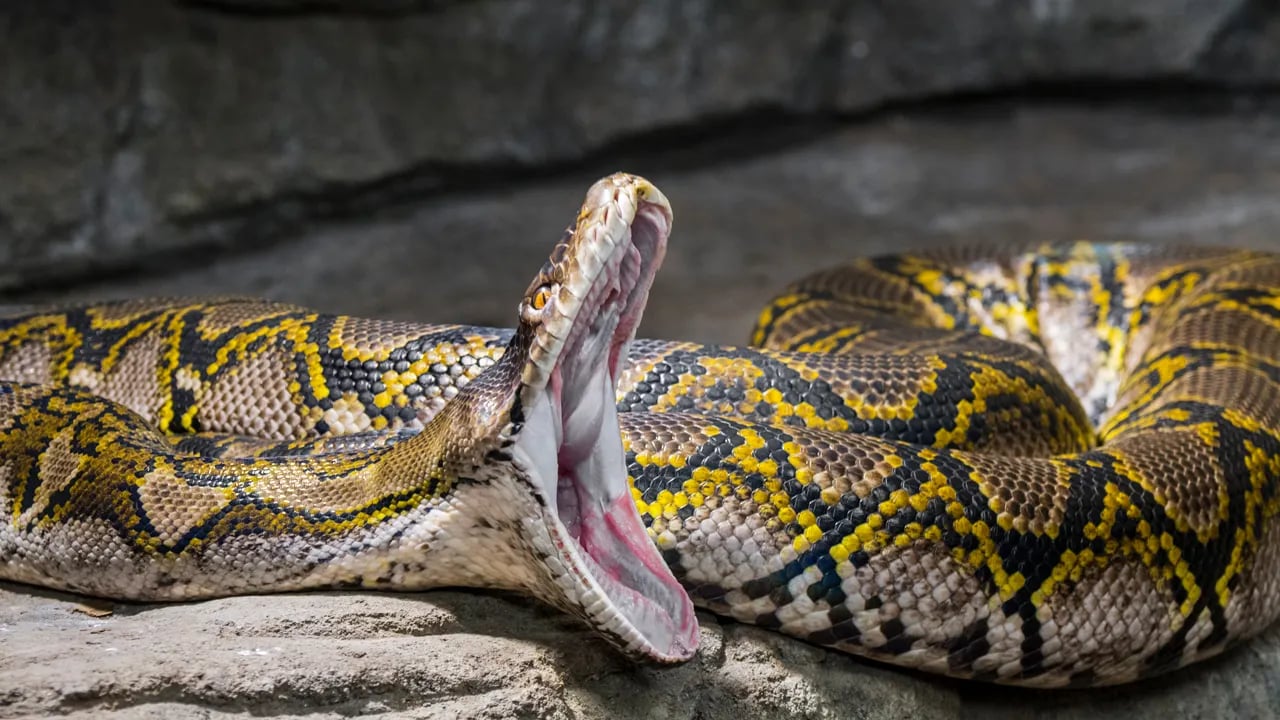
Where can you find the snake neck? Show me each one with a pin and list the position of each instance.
(468, 440)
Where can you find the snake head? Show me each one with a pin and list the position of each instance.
(559, 433)
(579, 315)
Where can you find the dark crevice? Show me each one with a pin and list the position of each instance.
(1164, 95)
(286, 216)
(708, 142)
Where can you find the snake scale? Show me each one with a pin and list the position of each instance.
(1052, 466)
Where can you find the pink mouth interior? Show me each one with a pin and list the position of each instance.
(593, 501)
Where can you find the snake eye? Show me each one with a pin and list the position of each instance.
(533, 305)
(542, 297)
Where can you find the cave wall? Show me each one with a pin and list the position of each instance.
(135, 131)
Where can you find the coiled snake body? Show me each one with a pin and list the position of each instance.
(1050, 467)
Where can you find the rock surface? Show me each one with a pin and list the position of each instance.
(745, 227)
(742, 228)
(132, 131)
(448, 655)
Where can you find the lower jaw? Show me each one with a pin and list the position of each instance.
(627, 591)
(636, 600)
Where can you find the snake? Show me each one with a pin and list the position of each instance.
(1053, 465)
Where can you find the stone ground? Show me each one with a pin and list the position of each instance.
(743, 227)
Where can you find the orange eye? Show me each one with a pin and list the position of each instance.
(541, 298)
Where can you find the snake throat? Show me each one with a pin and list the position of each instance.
(571, 450)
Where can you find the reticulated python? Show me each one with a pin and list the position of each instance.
(1050, 467)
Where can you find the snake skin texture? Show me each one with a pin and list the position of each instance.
(171, 451)
(1053, 467)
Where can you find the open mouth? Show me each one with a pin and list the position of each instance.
(572, 449)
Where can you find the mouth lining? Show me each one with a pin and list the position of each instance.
(624, 588)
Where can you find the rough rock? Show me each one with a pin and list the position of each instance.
(743, 227)
(448, 654)
(133, 131)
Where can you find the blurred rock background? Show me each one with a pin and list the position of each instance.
(416, 158)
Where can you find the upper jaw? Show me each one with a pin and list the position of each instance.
(622, 228)
(606, 568)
